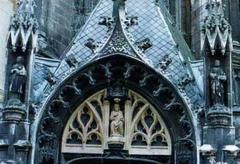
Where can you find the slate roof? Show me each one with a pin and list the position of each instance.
(91, 29)
(154, 23)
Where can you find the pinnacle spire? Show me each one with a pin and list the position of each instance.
(23, 25)
(216, 29)
(117, 5)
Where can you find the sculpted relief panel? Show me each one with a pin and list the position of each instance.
(130, 122)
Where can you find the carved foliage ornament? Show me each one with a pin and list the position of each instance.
(133, 122)
(59, 115)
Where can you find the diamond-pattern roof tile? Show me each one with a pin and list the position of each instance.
(153, 23)
(91, 30)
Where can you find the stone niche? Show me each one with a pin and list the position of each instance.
(99, 123)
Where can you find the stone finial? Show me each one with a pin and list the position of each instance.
(216, 29)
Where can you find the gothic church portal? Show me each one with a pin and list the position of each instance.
(130, 83)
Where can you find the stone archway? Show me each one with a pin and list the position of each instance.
(108, 73)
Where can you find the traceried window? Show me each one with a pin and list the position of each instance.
(133, 123)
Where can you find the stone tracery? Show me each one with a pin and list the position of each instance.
(79, 89)
(138, 127)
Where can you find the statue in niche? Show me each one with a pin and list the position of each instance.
(18, 79)
(217, 77)
(117, 120)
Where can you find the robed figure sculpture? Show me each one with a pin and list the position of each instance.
(18, 79)
(117, 120)
(217, 80)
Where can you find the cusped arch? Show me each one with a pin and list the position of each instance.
(104, 73)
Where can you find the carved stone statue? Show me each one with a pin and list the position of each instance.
(217, 77)
(17, 79)
(117, 120)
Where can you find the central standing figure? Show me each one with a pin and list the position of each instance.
(117, 120)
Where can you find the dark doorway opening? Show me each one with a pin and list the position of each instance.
(112, 160)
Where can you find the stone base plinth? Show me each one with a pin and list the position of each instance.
(14, 113)
(116, 143)
(219, 115)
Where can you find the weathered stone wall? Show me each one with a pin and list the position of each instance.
(198, 14)
(61, 19)
(55, 17)
(232, 13)
(6, 11)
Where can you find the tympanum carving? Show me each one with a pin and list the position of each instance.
(117, 120)
(100, 122)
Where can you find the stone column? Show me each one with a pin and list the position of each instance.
(14, 125)
(218, 132)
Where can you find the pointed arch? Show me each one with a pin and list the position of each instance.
(169, 103)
